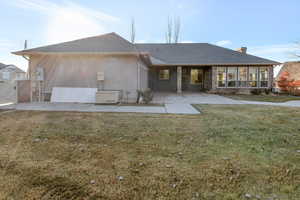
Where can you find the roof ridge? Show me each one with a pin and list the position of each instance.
(171, 43)
(49, 45)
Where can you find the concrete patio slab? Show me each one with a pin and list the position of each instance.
(191, 98)
(91, 108)
(181, 108)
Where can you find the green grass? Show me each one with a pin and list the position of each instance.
(224, 153)
(266, 98)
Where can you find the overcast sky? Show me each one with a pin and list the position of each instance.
(269, 28)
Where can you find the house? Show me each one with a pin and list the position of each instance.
(109, 62)
(10, 73)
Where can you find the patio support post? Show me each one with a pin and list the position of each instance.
(179, 79)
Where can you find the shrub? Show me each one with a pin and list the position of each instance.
(267, 91)
(147, 95)
(256, 91)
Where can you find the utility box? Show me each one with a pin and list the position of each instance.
(107, 97)
(100, 76)
(39, 74)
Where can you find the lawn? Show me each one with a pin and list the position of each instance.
(266, 98)
(227, 152)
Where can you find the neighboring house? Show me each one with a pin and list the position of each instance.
(292, 71)
(11, 73)
(128, 67)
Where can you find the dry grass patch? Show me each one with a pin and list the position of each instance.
(224, 153)
(266, 98)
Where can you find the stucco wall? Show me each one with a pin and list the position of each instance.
(120, 72)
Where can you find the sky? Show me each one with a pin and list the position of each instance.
(268, 28)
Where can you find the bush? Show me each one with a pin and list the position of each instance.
(147, 95)
(267, 91)
(256, 91)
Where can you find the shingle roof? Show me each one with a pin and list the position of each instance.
(107, 43)
(199, 53)
(2, 66)
(159, 54)
(11, 68)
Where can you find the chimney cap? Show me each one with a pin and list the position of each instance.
(242, 50)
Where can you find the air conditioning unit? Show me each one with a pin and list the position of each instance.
(107, 97)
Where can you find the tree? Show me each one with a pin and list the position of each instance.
(176, 30)
(169, 31)
(289, 85)
(173, 30)
(132, 30)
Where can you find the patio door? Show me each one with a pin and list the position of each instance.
(192, 79)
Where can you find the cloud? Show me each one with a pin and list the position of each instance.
(270, 49)
(68, 21)
(223, 43)
(278, 52)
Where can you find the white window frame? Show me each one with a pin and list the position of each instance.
(236, 77)
(225, 77)
(258, 68)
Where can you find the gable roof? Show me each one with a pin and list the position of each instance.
(11, 68)
(107, 43)
(2, 66)
(199, 53)
(159, 54)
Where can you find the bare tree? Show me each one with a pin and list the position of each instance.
(176, 30)
(173, 30)
(25, 44)
(169, 31)
(132, 30)
(297, 52)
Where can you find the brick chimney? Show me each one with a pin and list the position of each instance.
(242, 50)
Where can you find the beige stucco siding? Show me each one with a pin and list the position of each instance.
(120, 72)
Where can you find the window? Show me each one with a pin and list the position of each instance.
(196, 76)
(231, 76)
(6, 75)
(264, 76)
(242, 79)
(164, 74)
(253, 76)
(221, 78)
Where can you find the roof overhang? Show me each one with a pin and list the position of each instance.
(25, 53)
(217, 64)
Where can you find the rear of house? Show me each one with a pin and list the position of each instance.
(111, 63)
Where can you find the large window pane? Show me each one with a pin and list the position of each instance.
(242, 79)
(231, 76)
(253, 76)
(196, 76)
(263, 76)
(221, 78)
(164, 74)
